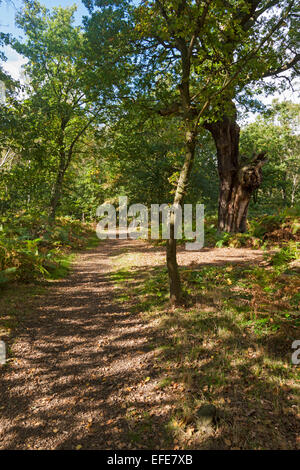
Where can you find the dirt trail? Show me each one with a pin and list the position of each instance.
(81, 357)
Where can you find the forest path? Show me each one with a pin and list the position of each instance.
(82, 359)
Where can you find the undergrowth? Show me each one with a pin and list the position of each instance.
(31, 248)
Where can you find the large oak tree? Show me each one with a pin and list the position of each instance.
(194, 58)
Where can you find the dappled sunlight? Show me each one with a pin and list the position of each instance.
(137, 132)
(103, 362)
(210, 353)
(77, 366)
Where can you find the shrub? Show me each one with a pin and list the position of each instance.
(31, 249)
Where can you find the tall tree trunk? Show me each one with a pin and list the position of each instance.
(64, 161)
(56, 194)
(173, 273)
(58, 185)
(237, 182)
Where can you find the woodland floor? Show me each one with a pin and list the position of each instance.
(89, 365)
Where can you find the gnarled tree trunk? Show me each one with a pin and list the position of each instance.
(237, 181)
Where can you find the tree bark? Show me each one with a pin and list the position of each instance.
(173, 272)
(56, 194)
(237, 181)
(65, 156)
(64, 160)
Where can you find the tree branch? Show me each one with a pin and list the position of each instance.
(254, 15)
(77, 137)
(172, 109)
(284, 67)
